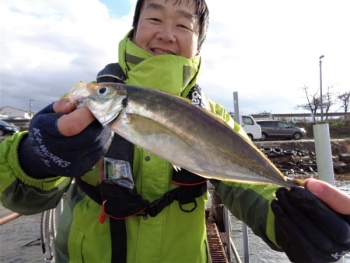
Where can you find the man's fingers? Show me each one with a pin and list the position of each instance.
(63, 106)
(337, 200)
(75, 122)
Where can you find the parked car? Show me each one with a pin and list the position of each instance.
(8, 118)
(251, 128)
(6, 128)
(273, 129)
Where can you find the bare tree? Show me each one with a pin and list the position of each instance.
(265, 115)
(313, 102)
(328, 100)
(345, 101)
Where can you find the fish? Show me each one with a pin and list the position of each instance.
(185, 135)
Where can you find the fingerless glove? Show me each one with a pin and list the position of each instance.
(307, 229)
(45, 152)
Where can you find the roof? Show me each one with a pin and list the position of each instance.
(13, 108)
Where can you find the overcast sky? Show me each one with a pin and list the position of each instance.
(264, 50)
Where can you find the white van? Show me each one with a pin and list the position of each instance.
(252, 129)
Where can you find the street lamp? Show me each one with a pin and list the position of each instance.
(321, 57)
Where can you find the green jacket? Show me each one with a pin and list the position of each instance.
(171, 236)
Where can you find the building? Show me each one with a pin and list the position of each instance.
(14, 112)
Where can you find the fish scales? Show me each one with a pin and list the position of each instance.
(185, 135)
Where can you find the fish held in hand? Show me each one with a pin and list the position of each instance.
(185, 135)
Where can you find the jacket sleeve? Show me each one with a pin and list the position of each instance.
(247, 202)
(251, 204)
(20, 192)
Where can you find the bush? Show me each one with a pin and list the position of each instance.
(338, 129)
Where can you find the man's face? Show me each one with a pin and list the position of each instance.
(165, 28)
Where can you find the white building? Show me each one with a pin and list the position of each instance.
(14, 112)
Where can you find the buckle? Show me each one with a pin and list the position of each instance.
(188, 211)
(157, 206)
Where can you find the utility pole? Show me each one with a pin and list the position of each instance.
(244, 226)
(321, 100)
(30, 108)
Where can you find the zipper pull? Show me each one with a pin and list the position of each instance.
(102, 217)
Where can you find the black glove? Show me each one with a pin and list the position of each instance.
(48, 153)
(307, 229)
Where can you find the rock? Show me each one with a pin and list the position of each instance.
(348, 167)
(306, 159)
(279, 159)
(307, 166)
(335, 159)
(340, 168)
(295, 159)
(344, 157)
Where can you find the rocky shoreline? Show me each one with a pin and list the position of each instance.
(295, 158)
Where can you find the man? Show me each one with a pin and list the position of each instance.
(151, 222)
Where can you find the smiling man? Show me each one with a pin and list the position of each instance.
(160, 215)
(165, 28)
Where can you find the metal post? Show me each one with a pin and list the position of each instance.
(245, 242)
(324, 156)
(228, 233)
(236, 108)
(323, 153)
(244, 226)
(321, 99)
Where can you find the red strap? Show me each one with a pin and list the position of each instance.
(102, 217)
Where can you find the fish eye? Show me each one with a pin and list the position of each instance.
(103, 91)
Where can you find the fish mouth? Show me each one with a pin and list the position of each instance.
(81, 102)
(113, 106)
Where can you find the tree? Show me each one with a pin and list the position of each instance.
(345, 101)
(313, 102)
(328, 100)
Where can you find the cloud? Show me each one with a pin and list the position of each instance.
(267, 50)
(49, 45)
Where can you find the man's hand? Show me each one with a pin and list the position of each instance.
(308, 229)
(337, 200)
(63, 141)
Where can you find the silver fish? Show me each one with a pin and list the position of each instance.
(185, 135)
